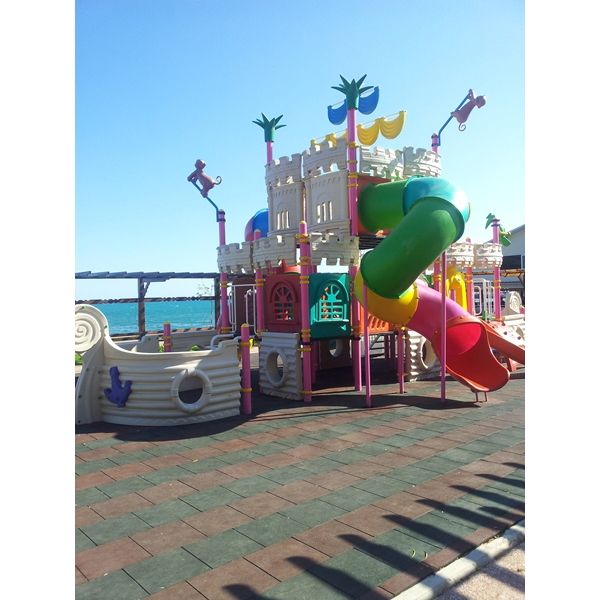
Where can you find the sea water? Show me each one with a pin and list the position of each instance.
(123, 317)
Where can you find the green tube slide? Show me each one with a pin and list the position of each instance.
(425, 215)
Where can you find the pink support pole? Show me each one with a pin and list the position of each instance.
(246, 377)
(497, 282)
(260, 296)
(353, 216)
(355, 314)
(225, 322)
(435, 142)
(365, 316)
(443, 333)
(305, 268)
(269, 152)
(400, 344)
(469, 285)
(167, 339)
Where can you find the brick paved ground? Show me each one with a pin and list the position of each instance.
(323, 501)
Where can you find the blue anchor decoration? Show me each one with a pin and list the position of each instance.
(118, 393)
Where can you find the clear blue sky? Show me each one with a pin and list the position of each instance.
(160, 83)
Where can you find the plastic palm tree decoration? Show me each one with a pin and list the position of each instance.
(269, 126)
(503, 234)
(352, 90)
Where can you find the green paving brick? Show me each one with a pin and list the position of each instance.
(82, 541)
(159, 572)
(347, 457)
(295, 441)
(492, 497)
(313, 513)
(250, 486)
(305, 586)
(124, 486)
(270, 448)
(481, 446)
(286, 474)
(319, 465)
(172, 510)
(93, 466)
(353, 572)
(203, 465)
(211, 498)
(166, 450)
(438, 519)
(89, 496)
(469, 513)
(439, 465)
(95, 444)
(397, 549)
(441, 427)
(461, 456)
(398, 441)
(112, 529)
(222, 548)
(420, 433)
(117, 585)
(382, 485)
(166, 474)
(321, 434)
(237, 456)
(226, 436)
(350, 498)
(198, 442)
(271, 529)
(131, 457)
(375, 448)
(412, 474)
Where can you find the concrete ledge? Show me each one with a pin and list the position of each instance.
(455, 572)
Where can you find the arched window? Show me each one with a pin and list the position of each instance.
(282, 299)
(332, 302)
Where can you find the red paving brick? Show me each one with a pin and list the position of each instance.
(120, 505)
(369, 519)
(333, 480)
(404, 504)
(406, 578)
(243, 469)
(127, 471)
(166, 491)
(169, 460)
(233, 581)
(299, 491)
(329, 537)
(217, 520)
(203, 481)
(84, 515)
(276, 460)
(109, 557)
(79, 577)
(262, 504)
(200, 453)
(98, 453)
(92, 480)
(167, 537)
(278, 559)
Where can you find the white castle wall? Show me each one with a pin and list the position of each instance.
(235, 258)
(285, 207)
(488, 255)
(288, 384)
(284, 170)
(381, 162)
(320, 158)
(336, 250)
(327, 202)
(461, 255)
(268, 251)
(420, 161)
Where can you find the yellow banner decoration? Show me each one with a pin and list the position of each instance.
(368, 135)
(391, 129)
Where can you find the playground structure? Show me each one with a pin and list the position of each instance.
(385, 219)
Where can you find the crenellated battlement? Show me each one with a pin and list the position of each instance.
(381, 162)
(235, 258)
(488, 255)
(284, 170)
(269, 251)
(461, 255)
(320, 157)
(420, 161)
(337, 249)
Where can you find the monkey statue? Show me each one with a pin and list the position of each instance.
(208, 183)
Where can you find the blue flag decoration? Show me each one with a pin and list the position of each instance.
(337, 115)
(367, 104)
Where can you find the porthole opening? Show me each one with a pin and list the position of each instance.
(275, 369)
(191, 389)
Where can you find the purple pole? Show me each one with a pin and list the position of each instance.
(269, 152)
(225, 322)
(365, 316)
(167, 339)
(400, 343)
(497, 283)
(443, 332)
(246, 378)
(260, 296)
